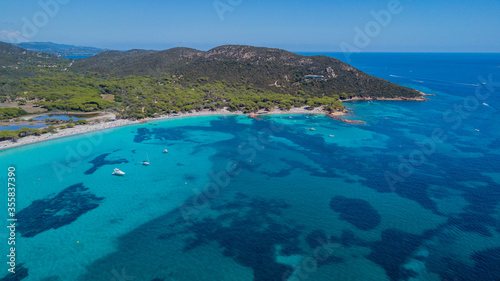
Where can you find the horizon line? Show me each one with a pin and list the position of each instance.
(290, 50)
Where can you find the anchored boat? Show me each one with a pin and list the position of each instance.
(117, 172)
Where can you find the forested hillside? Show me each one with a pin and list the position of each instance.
(140, 83)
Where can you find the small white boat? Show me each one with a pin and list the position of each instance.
(117, 172)
(146, 163)
(477, 130)
(312, 129)
(332, 136)
(165, 151)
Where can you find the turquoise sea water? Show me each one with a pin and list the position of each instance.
(412, 195)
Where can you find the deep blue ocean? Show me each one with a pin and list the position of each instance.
(414, 194)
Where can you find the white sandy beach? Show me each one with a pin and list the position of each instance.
(82, 129)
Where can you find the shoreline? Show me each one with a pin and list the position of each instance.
(83, 129)
(421, 98)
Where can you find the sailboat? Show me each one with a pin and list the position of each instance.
(146, 163)
(117, 172)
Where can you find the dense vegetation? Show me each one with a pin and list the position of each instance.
(16, 63)
(10, 113)
(63, 91)
(140, 83)
(140, 96)
(263, 68)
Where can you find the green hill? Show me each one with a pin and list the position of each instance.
(139, 83)
(16, 62)
(265, 68)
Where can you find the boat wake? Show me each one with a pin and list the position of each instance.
(492, 107)
(466, 84)
(423, 80)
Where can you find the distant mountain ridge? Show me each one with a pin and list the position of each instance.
(16, 62)
(60, 49)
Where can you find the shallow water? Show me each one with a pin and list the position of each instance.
(64, 117)
(17, 127)
(243, 199)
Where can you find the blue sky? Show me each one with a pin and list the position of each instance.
(321, 25)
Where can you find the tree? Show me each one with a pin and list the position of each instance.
(24, 131)
(50, 129)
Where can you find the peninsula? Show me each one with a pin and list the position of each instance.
(140, 84)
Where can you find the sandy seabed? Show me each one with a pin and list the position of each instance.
(82, 129)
